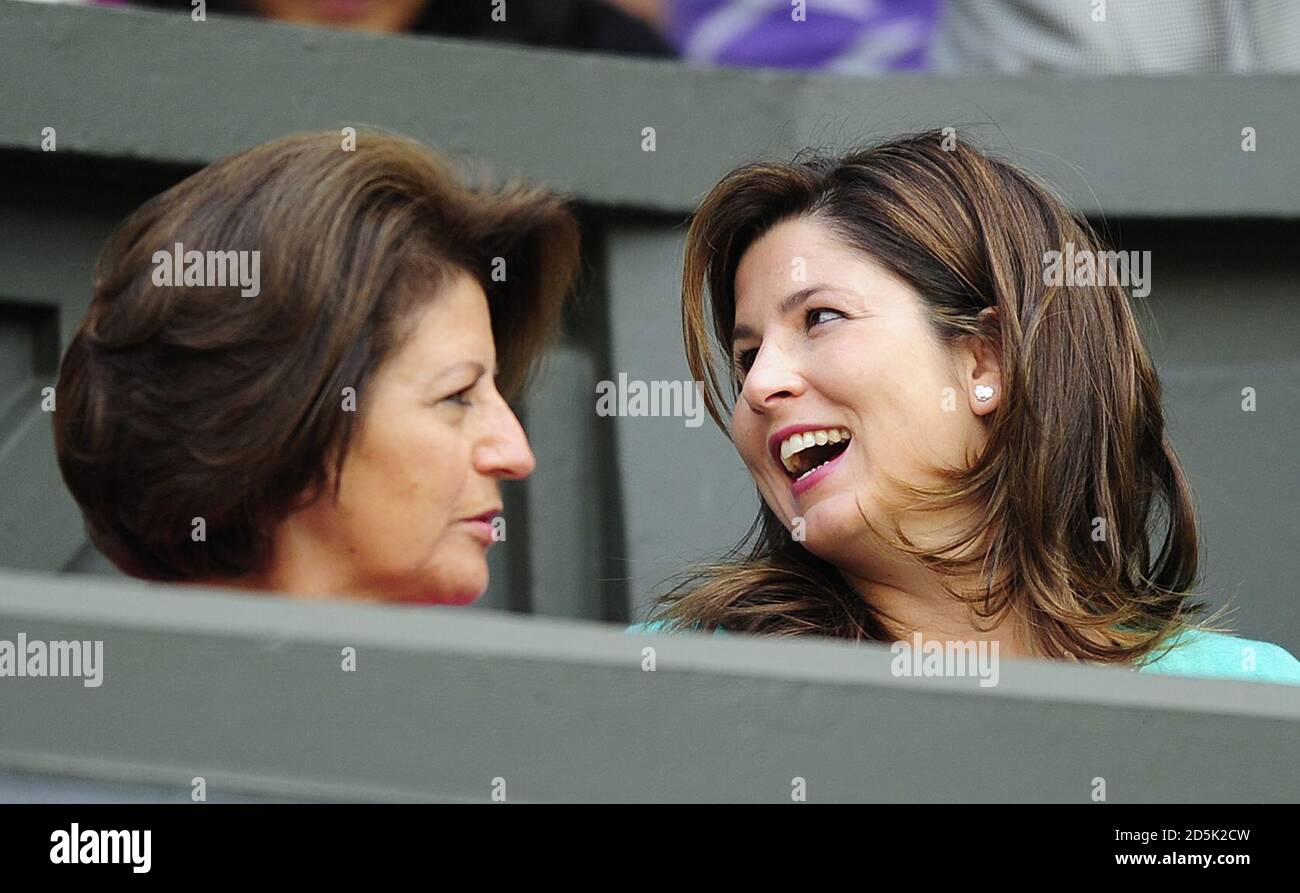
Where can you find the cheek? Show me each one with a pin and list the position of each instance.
(894, 389)
(750, 436)
(747, 434)
(923, 420)
(432, 469)
(404, 486)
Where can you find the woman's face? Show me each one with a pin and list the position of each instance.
(419, 484)
(834, 348)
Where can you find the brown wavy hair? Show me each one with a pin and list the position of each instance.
(177, 402)
(1079, 433)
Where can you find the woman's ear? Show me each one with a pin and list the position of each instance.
(984, 366)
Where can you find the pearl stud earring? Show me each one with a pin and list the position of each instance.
(983, 393)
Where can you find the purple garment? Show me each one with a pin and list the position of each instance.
(860, 36)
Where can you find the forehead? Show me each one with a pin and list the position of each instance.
(450, 325)
(799, 253)
(456, 313)
(779, 252)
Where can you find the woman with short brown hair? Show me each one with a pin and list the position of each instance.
(287, 378)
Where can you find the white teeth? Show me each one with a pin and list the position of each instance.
(797, 443)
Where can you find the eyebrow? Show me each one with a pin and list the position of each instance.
(789, 303)
(474, 366)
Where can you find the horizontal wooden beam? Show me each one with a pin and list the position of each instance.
(250, 693)
(158, 87)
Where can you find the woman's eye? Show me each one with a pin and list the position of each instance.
(821, 315)
(745, 360)
(461, 398)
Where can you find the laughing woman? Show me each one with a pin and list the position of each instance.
(943, 443)
(336, 429)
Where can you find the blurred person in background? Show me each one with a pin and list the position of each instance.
(1100, 38)
(956, 36)
(845, 36)
(853, 36)
(336, 428)
(590, 25)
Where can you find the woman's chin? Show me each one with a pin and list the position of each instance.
(459, 599)
(446, 596)
(447, 589)
(829, 522)
(462, 580)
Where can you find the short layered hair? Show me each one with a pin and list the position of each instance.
(179, 402)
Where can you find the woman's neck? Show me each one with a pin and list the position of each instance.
(918, 603)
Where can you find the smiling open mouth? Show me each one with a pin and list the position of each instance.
(805, 452)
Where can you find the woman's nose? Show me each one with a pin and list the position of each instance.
(773, 377)
(504, 451)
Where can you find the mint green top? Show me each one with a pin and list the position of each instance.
(1195, 653)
